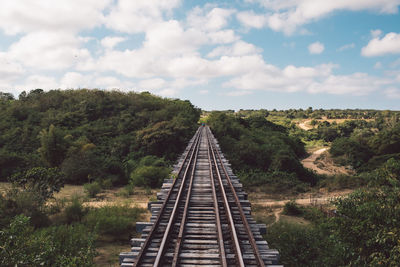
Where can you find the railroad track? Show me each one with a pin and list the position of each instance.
(202, 218)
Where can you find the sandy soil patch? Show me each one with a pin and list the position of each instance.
(306, 124)
(321, 162)
(321, 197)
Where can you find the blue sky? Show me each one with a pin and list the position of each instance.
(218, 54)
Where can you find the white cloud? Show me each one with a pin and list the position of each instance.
(171, 56)
(24, 16)
(392, 93)
(271, 78)
(139, 15)
(168, 92)
(389, 44)
(354, 84)
(288, 15)
(39, 81)
(319, 79)
(252, 20)
(346, 47)
(239, 48)
(209, 20)
(149, 84)
(109, 42)
(48, 50)
(110, 82)
(74, 80)
(223, 37)
(9, 70)
(316, 48)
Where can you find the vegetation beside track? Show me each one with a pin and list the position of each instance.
(115, 139)
(102, 139)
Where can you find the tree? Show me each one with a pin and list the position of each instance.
(6, 96)
(367, 226)
(58, 246)
(54, 146)
(42, 181)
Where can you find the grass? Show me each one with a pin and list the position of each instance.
(108, 252)
(108, 247)
(4, 186)
(314, 145)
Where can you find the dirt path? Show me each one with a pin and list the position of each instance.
(310, 162)
(321, 162)
(305, 125)
(319, 198)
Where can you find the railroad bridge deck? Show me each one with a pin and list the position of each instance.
(201, 218)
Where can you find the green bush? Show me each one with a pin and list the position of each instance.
(303, 245)
(28, 203)
(150, 176)
(341, 181)
(126, 191)
(57, 246)
(43, 182)
(92, 189)
(75, 211)
(113, 220)
(274, 182)
(291, 208)
(106, 183)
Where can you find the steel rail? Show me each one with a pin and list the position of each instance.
(158, 219)
(237, 248)
(183, 221)
(244, 219)
(177, 201)
(217, 215)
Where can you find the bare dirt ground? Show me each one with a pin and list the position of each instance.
(306, 124)
(320, 197)
(140, 196)
(321, 162)
(268, 209)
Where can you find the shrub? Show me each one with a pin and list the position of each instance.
(92, 189)
(113, 220)
(126, 191)
(44, 182)
(23, 202)
(106, 183)
(150, 176)
(75, 211)
(291, 208)
(302, 245)
(54, 246)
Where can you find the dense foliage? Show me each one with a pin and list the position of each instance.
(260, 151)
(90, 137)
(366, 149)
(364, 231)
(67, 245)
(90, 134)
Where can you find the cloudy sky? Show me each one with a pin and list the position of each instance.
(218, 54)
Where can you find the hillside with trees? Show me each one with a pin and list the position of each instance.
(262, 153)
(101, 139)
(360, 229)
(91, 134)
(108, 139)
